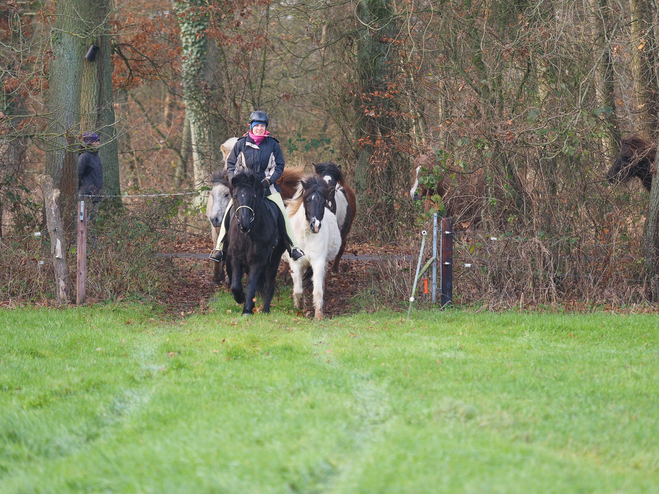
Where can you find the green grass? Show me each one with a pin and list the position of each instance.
(119, 399)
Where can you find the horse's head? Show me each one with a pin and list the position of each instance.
(218, 199)
(635, 159)
(316, 194)
(226, 148)
(422, 164)
(247, 197)
(331, 173)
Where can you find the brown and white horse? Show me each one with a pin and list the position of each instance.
(462, 193)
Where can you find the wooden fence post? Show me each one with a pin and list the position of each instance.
(57, 241)
(447, 261)
(81, 292)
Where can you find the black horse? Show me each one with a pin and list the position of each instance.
(636, 159)
(256, 242)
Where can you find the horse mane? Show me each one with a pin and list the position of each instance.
(307, 186)
(639, 147)
(243, 178)
(330, 168)
(635, 159)
(220, 177)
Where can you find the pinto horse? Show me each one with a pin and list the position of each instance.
(318, 235)
(636, 159)
(255, 242)
(343, 202)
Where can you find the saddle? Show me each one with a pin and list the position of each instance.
(275, 215)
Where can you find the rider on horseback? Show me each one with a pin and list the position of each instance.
(262, 154)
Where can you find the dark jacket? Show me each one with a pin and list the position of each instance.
(90, 174)
(266, 160)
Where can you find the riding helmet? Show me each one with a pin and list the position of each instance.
(259, 116)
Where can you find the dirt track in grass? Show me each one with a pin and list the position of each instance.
(341, 289)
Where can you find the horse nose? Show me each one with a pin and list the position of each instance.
(416, 196)
(216, 222)
(315, 225)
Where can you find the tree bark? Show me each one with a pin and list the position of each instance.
(651, 232)
(193, 22)
(68, 42)
(378, 118)
(651, 236)
(58, 245)
(642, 66)
(604, 82)
(97, 96)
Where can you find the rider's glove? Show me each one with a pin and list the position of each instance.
(266, 183)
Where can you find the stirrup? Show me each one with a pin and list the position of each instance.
(216, 255)
(297, 254)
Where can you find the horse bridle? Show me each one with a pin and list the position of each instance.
(251, 220)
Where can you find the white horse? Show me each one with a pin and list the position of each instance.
(318, 235)
(218, 200)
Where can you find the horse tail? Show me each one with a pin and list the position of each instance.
(307, 278)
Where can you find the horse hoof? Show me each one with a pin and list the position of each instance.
(247, 314)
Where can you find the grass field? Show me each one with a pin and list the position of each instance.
(121, 399)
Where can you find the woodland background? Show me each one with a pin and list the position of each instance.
(534, 94)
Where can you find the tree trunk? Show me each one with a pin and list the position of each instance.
(651, 237)
(181, 173)
(193, 22)
(651, 233)
(378, 120)
(58, 245)
(604, 83)
(69, 44)
(642, 67)
(97, 97)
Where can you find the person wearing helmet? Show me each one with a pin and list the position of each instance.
(90, 174)
(262, 154)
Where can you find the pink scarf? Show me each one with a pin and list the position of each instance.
(258, 139)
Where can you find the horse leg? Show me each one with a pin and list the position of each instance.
(337, 259)
(268, 289)
(237, 283)
(298, 294)
(250, 289)
(218, 273)
(318, 286)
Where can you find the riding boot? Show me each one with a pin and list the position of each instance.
(218, 254)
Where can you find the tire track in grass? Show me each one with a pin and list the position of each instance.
(372, 412)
